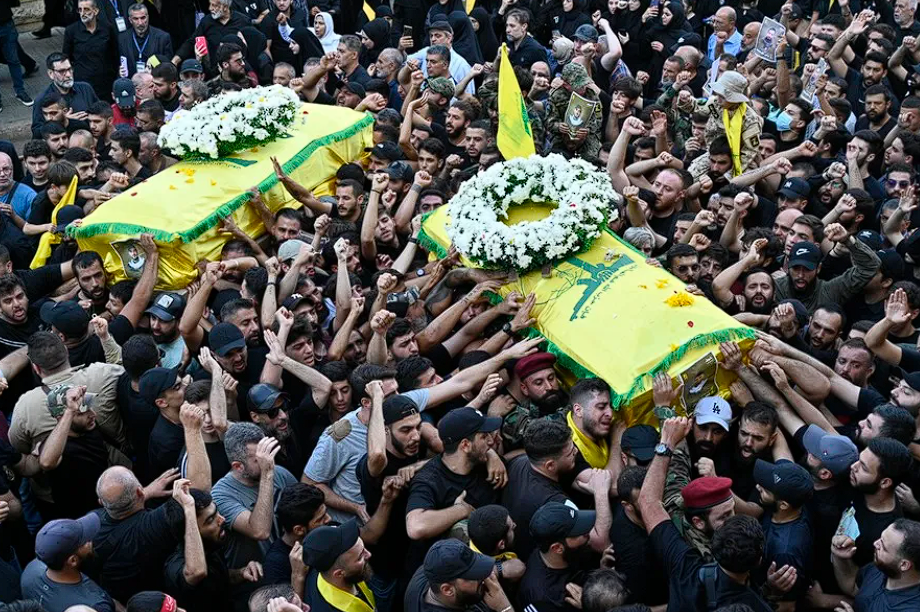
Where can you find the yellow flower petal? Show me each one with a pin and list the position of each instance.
(172, 187)
(679, 300)
(189, 180)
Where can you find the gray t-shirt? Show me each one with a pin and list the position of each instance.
(233, 498)
(338, 452)
(56, 596)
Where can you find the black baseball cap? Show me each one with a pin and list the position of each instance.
(463, 422)
(59, 539)
(805, 254)
(640, 441)
(386, 150)
(263, 397)
(870, 238)
(795, 187)
(167, 306)
(401, 171)
(788, 481)
(398, 407)
(892, 264)
(191, 65)
(913, 380)
(452, 559)
(325, 544)
(554, 522)
(154, 382)
(224, 337)
(356, 88)
(66, 317)
(66, 216)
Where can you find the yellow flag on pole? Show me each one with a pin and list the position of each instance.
(49, 238)
(514, 136)
(470, 5)
(370, 13)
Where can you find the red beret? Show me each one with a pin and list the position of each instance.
(533, 364)
(706, 492)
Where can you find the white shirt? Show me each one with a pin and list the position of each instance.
(459, 67)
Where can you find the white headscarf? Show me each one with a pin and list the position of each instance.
(330, 39)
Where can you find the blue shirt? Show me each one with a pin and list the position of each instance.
(459, 67)
(20, 198)
(732, 46)
(873, 596)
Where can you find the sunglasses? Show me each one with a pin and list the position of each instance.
(901, 184)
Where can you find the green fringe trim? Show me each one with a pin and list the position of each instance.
(227, 208)
(640, 385)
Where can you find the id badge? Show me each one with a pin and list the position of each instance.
(140, 67)
(120, 23)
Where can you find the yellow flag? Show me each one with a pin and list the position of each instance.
(369, 12)
(49, 238)
(470, 5)
(514, 136)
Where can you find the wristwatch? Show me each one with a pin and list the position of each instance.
(499, 569)
(662, 450)
(507, 328)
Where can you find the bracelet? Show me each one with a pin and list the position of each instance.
(507, 609)
(271, 284)
(413, 239)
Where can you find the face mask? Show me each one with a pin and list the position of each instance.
(783, 122)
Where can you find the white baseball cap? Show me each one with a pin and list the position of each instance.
(713, 409)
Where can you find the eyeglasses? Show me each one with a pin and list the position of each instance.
(902, 184)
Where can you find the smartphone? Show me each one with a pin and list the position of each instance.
(407, 31)
(201, 45)
(653, 3)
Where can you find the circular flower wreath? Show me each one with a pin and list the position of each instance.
(581, 194)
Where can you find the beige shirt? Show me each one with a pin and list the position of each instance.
(32, 421)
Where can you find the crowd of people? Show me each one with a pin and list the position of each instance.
(331, 417)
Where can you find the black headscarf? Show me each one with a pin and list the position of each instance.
(569, 22)
(378, 31)
(668, 35)
(488, 43)
(465, 41)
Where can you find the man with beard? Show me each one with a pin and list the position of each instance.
(197, 573)
(74, 455)
(802, 282)
(539, 386)
(454, 577)
(164, 327)
(91, 277)
(247, 496)
(165, 389)
(79, 96)
(242, 314)
(458, 118)
(561, 534)
(861, 151)
(683, 261)
(881, 467)
(166, 87)
(785, 488)
(339, 569)
(756, 282)
(63, 547)
(590, 420)
(92, 46)
(301, 509)
(877, 117)
(232, 65)
(824, 329)
(235, 358)
(892, 582)
(18, 319)
(394, 450)
(537, 478)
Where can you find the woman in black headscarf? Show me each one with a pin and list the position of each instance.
(441, 9)
(573, 15)
(375, 37)
(660, 35)
(485, 33)
(465, 41)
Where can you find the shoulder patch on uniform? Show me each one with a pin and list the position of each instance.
(339, 430)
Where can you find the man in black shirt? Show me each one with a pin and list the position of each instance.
(139, 354)
(92, 46)
(737, 545)
(560, 532)
(301, 509)
(71, 322)
(165, 389)
(18, 319)
(393, 446)
(196, 573)
(455, 578)
(270, 409)
(339, 567)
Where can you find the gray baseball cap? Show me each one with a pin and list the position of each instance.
(836, 453)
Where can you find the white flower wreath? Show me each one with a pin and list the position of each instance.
(581, 194)
(231, 122)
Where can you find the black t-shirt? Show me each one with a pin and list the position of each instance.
(246, 379)
(871, 525)
(276, 566)
(39, 282)
(873, 596)
(543, 588)
(15, 336)
(131, 552)
(388, 556)
(635, 558)
(73, 482)
(682, 564)
(296, 450)
(87, 352)
(789, 544)
(139, 418)
(414, 600)
(435, 487)
(166, 442)
(527, 490)
(212, 593)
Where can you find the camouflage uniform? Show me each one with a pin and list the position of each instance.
(488, 96)
(575, 77)
(515, 423)
(679, 476)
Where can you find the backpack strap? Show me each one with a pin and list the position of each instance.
(707, 575)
